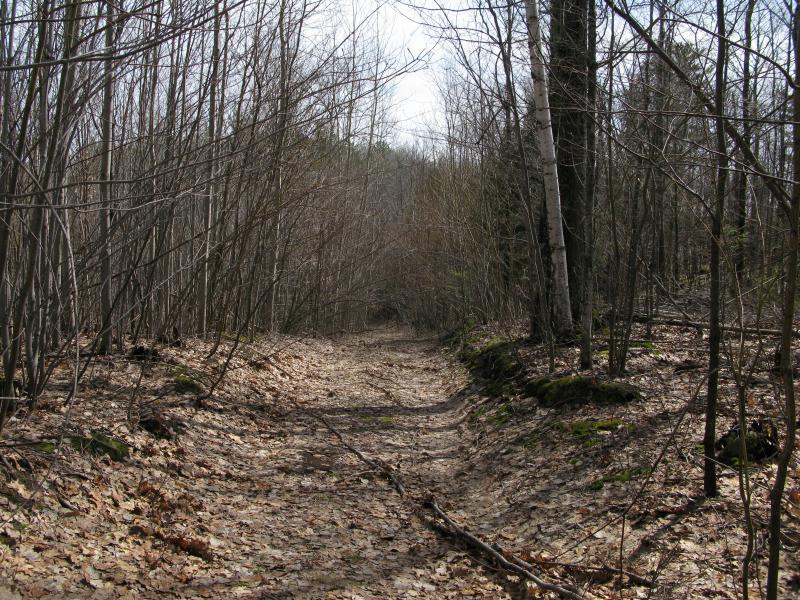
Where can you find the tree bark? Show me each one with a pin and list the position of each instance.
(569, 101)
(790, 293)
(562, 313)
(715, 333)
(106, 332)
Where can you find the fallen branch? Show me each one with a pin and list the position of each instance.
(698, 325)
(376, 464)
(515, 565)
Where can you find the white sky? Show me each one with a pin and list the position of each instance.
(415, 102)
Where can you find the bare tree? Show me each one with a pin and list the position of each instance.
(561, 304)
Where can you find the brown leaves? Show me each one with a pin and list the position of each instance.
(192, 546)
(269, 501)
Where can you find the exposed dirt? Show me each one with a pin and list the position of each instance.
(256, 498)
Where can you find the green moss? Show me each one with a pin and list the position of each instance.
(495, 365)
(646, 344)
(624, 476)
(587, 432)
(100, 444)
(386, 420)
(580, 390)
(184, 384)
(502, 415)
(43, 447)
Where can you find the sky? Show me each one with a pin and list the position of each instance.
(415, 102)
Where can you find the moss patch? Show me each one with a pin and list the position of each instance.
(184, 383)
(385, 420)
(100, 444)
(495, 365)
(580, 390)
(43, 447)
(623, 476)
(588, 432)
(503, 415)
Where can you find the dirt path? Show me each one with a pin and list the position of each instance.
(392, 397)
(255, 498)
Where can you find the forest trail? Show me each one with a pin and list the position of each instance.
(393, 397)
(260, 492)
(256, 497)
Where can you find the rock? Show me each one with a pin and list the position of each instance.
(761, 441)
(144, 354)
(161, 426)
(580, 390)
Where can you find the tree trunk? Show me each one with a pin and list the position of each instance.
(562, 313)
(587, 302)
(715, 333)
(786, 366)
(568, 95)
(106, 332)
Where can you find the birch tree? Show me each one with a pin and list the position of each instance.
(562, 314)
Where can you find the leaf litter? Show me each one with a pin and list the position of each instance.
(252, 496)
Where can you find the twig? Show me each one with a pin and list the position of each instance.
(378, 465)
(515, 565)
(604, 569)
(24, 443)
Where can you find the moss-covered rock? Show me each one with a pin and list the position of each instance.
(100, 444)
(184, 383)
(761, 441)
(580, 390)
(495, 365)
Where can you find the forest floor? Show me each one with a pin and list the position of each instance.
(258, 493)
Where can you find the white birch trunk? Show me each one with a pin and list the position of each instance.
(544, 127)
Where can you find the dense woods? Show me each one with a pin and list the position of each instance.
(187, 170)
(174, 170)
